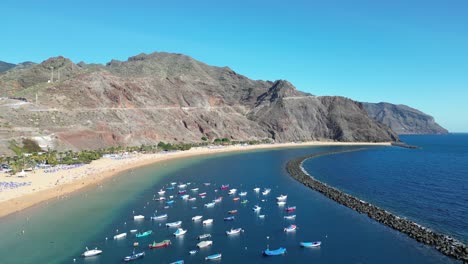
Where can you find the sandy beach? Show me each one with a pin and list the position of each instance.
(42, 185)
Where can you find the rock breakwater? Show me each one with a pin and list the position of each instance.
(445, 244)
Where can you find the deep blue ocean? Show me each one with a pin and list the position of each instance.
(428, 185)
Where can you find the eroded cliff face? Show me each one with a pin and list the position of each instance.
(168, 97)
(403, 119)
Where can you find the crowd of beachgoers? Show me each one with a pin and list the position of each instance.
(12, 185)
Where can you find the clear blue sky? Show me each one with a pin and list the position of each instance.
(404, 52)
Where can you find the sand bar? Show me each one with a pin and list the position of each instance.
(43, 185)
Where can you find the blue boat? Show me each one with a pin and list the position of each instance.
(134, 256)
(147, 233)
(276, 252)
(178, 262)
(170, 202)
(311, 244)
(229, 218)
(170, 188)
(214, 256)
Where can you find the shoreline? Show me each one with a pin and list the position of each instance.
(46, 186)
(445, 244)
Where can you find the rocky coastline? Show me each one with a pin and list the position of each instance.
(443, 243)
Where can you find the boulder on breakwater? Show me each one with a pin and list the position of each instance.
(445, 244)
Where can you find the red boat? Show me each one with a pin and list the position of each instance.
(182, 192)
(162, 244)
(290, 209)
(224, 187)
(232, 212)
(202, 194)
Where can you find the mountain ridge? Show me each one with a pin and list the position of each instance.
(168, 97)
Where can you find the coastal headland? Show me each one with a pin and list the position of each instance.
(43, 185)
(443, 243)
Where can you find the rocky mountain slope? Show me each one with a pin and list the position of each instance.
(167, 97)
(5, 66)
(403, 119)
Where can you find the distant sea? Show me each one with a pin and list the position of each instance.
(58, 231)
(428, 185)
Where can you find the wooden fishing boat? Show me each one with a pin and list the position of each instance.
(276, 252)
(134, 256)
(144, 234)
(311, 244)
(213, 257)
(164, 243)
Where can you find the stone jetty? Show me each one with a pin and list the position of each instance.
(445, 244)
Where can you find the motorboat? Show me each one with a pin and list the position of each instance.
(256, 208)
(290, 217)
(207, 221)
(197, 217)
(282, 198)
(232, 212)
(266, 191)
(210, 204)
(281, 203)
(205, 243)
(290, 228)
(180, 232)
(229, 218)
(232, 191)
(224, 187)
(194, 190)
(91, 252)
(193, 252)
(138, 217)
(218, 200)
(159, 217)
(242, 193)
(290, 208)
(256, 189)
(174, 224)
(234, 231)
(121, 235)
(201, 237)
(161, 192)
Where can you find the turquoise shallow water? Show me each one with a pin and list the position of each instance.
(57, 232)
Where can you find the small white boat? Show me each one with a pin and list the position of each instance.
(173, 183)
(201, 237)
(194, 190)
(290, 217)
(234, 231)
(282, 198)
(266, 191)
(281, 203)
(138, 217)
(205, 243)
(256, 189)
(182, 186)
(202, 194)
(261, 216)
(133, 231)
(242, 193)
(159, 217)
(210, 204)
(161, 192)
(185, 197)
(290, 228)
(256, 208)
(180, 232)
(197, 217)
(218, 200)
(174, 224)
(121, 235)
(207, 221)
(192, 199)
(192, 252)
(232, 191)
(171, 197)
(92, 252)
